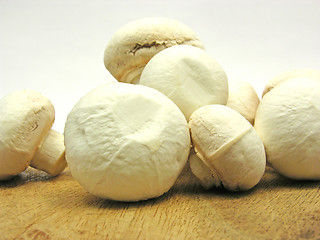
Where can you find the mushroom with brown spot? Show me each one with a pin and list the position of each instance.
(134, 44)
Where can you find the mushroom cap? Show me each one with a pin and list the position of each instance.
(126, 142)
(228, 144)
(189, 76)
(294, 74)
(288, 122)
(26, 116)
(243, 98)
(133, 45)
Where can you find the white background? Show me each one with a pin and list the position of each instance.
(56, 47)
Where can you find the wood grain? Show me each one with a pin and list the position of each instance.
(36, 206)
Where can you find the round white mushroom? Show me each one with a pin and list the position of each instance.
(134, 44)
(288, 122)
(189, 76)
(26, 117)
(227, 144)
(126, 142)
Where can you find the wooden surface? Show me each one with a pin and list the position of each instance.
(35, 206)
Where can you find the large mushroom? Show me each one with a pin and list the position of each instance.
(287, 121)
(126, 142)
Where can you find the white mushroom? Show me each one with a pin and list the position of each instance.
(126, 142)
(201, 170)
(134, 44)
(228, 146)
(50, 156)
(243, 98)
(288, 122)
(26, 118)
(295, 74)
(189, 76)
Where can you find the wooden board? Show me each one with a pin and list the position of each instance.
(35, 206)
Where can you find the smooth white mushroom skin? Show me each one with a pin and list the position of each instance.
(244, 99)
(187, 75)
(26, 117)
(134, 44)
(202, 172)
(295, 74)
(50, 156)
(288, 122)
(126, 142)
(228, 144)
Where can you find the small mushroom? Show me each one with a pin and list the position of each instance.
(187, 75)
(227, 147)
(294, 74)
(134, 44)
(243, 98)
(126, 142)
(288, 122)
(26, 137)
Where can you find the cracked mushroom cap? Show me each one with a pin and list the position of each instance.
(229, 146)
(187, 75)
(134, 44)
(126, 142)
(26, 117)
(288, 122)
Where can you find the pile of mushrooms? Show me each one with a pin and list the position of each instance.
(122, 161)
(170, 104)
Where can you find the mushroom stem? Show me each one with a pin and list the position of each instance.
(133, 76)
(50, 156)
(207, 178)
